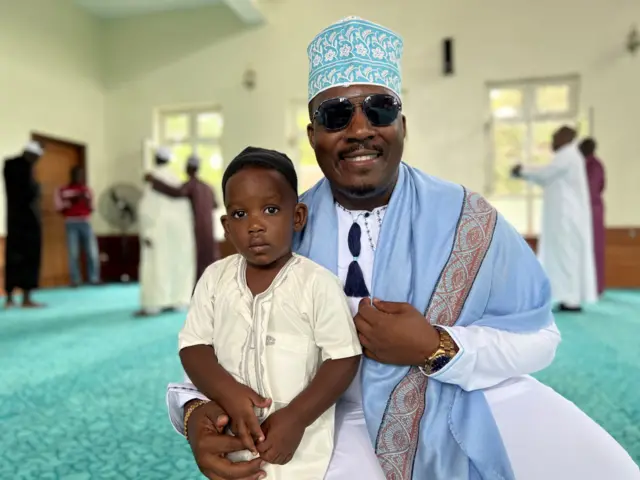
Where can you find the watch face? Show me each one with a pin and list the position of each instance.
(439, 363)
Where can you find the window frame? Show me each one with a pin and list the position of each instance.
(295, 136)
(193, 141)
(529, 116)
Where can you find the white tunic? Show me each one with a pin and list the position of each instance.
(275, 342)
(167, 266)
(566, 239)
(546, 436)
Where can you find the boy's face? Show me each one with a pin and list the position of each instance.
(262, 215)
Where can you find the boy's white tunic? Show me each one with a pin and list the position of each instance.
(275, 342)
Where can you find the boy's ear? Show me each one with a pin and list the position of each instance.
(224, 220)
(300, 215)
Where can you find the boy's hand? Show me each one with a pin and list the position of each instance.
(239, 404)
(283, 434)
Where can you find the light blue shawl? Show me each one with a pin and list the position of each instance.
(450, 255)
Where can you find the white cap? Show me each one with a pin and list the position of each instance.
(193, 161)
(34, 147)
(164, 153)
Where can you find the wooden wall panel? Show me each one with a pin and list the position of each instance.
(119, 256)
(622, 257)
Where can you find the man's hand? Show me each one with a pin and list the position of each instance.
(210, 446)
(395, 333)
(239, 403)
(283, 433)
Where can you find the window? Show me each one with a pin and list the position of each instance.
(196, 131)
(303, 156)
(524, 116)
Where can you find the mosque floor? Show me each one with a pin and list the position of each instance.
(82, 384)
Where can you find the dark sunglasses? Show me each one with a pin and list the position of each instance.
(336, 113)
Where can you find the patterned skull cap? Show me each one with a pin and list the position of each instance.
(354, 51)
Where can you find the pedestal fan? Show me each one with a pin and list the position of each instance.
(118, 205)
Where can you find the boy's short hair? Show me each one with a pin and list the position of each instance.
(261, 157)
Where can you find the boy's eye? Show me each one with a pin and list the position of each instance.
(271, 210)
(239, 214)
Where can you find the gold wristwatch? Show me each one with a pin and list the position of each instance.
(447, 349)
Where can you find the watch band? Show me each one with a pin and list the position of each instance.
(187, 414)
(447, 349)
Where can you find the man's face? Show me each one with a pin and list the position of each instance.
(361, 159)
(79, 176)
(31, 157)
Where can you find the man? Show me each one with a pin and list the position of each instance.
(596, 178)
(167, 261)
(74, 202)
(203, 204)
(442, 398)
(566, 239)
(24, 229)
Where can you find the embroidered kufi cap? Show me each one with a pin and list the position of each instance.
(354, 51)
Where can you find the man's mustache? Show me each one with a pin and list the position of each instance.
(362, 146)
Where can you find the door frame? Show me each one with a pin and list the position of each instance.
(81, 148)
(43, 139)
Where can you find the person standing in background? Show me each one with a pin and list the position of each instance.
(597, 181)
(24, 225)
(167, 262)
(566, 240)
(74, 202)
(203, 205)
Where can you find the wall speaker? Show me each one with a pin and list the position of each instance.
(447, 56)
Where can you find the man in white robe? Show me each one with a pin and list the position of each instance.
(167, 246)
(566, 240)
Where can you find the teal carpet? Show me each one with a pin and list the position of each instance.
(82, 384)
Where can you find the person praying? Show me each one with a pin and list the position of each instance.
(74, 202)
(597, 181)
(203, 205)
(23, 249)
(166, 279)
(566, 240)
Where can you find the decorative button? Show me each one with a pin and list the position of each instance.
(271, 340)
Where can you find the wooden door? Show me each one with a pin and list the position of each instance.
(52, 171)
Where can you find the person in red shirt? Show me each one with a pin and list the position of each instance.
(74, 202)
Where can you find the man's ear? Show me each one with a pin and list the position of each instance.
(311, 135)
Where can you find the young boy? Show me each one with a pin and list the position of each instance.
(269, 335)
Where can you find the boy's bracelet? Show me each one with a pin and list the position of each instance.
(190, 409)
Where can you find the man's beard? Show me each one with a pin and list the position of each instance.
(362, 191)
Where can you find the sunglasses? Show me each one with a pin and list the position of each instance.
(336, 113)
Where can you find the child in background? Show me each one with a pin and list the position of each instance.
(269, 335)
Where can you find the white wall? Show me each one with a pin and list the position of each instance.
(50, 80)
(65, 74)
(200, 56)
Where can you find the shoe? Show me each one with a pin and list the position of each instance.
(564, 308)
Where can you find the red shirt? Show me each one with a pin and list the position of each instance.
(74, 202)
